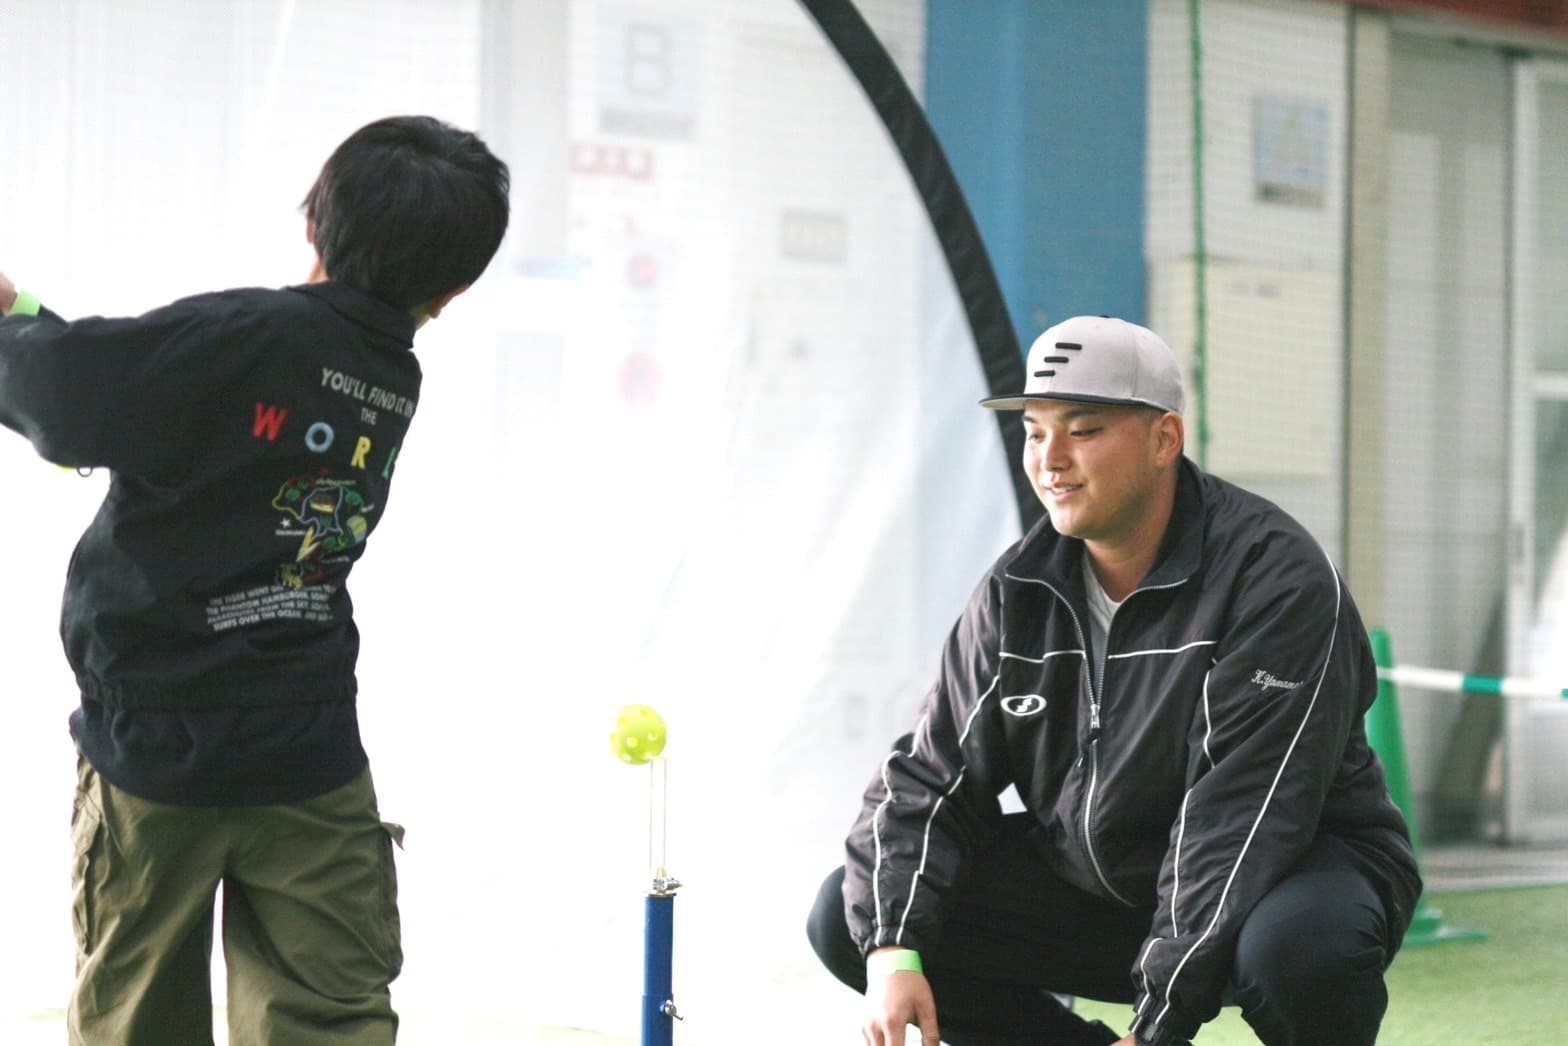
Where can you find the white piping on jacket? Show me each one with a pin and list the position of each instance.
(1171, 650)
(925, 842)
(1208, 720)
(1181, 832)
(1042, 660)
(1219, 907)
(1181, 835)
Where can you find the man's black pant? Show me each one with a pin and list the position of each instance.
(1308, 968)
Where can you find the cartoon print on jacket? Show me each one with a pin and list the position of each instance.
(332, 513)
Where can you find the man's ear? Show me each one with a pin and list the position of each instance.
(1170, 436)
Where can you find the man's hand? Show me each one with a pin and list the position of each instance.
(1127, 1040)
(7, 295)
(895, 1001)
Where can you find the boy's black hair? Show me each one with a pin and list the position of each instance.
(409, 208)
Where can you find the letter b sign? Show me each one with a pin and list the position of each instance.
(653, 65)
(648, 72)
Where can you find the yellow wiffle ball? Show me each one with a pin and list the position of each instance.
(639, 734)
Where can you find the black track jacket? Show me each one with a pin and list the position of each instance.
(251, 437)
(1225, 735)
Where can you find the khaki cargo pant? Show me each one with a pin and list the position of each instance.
(311, 937)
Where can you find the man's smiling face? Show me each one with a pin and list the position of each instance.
(1095, 467)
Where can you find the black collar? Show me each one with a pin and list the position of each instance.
(359, 307)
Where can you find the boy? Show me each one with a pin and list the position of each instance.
(251, 437)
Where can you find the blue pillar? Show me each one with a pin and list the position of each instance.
(1041, 109)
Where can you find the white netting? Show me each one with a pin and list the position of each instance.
(1272, 162)
(682, 445)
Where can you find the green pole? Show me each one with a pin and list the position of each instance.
(1200, 248)
(1387, 739)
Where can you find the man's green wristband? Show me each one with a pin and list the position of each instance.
(882, 964)
(25, 305)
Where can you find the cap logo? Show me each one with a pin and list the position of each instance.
(1057, 359)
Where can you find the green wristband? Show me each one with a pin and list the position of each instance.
(25, 304)
(883, 964)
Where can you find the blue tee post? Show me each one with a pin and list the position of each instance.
(658, 1001)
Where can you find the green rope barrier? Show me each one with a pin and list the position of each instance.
(1460, 683)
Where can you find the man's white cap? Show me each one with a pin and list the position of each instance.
(1097, 359)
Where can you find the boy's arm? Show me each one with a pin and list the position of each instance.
(16, 301)
(92, 393)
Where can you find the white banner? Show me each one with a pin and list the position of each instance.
(705, 438)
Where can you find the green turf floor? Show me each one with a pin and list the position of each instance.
(1511, 987)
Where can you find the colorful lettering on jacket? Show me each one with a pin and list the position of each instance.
(269, 421)
(319, 436)
(359, 389)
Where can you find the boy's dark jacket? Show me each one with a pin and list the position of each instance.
(251, 437)
(1225, 734)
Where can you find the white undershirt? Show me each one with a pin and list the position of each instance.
(1101, 609)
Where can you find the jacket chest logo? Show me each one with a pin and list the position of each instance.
(1269, 681)
(1023, 705)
